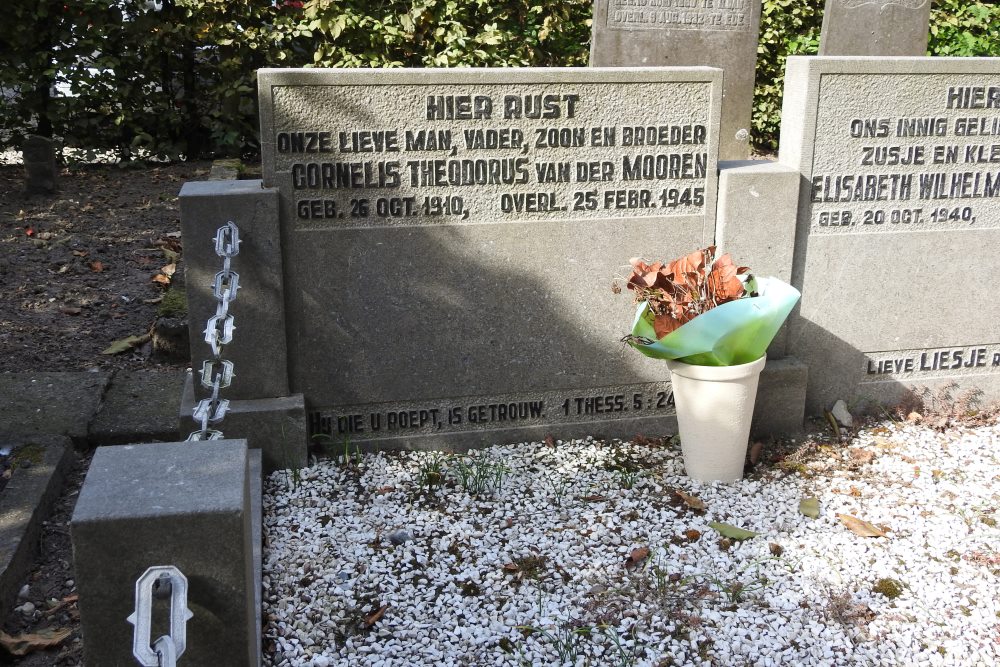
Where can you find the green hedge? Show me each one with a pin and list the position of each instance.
(180, 81)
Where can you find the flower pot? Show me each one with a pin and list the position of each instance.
(714, 410)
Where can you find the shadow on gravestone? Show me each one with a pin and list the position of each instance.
(508, 334)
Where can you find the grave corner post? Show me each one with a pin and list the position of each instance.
(262, 408)
(756, 220)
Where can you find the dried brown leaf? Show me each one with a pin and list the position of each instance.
(860, 527)
(375, 616)
(24, 644)
(755, 451)
(96, 266)
(636, 558)
(694, 502)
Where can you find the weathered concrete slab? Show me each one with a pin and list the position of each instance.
(898, 224)
(139, 406)
(25, 502)
(714, 33)
(186, 504)
(57, 403)
(450, 238)
(875, 28)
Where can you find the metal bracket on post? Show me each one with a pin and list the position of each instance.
(165, 651)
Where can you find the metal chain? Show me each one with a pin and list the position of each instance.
(217, 373)
(160, 581)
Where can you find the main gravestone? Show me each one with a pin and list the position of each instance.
(875, 28)
(450, 238)
(898, 224)
(714, 33)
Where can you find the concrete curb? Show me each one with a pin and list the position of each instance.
(25, 502)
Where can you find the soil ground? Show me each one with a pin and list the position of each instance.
(78, 268)
(77, 272)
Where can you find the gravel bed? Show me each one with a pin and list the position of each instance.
(587, 555)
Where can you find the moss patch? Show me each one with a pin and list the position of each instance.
(31, 454)
(174, 304)
(890, 588)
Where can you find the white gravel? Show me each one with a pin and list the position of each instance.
(518, 576)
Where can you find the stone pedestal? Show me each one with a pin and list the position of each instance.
(186, 504)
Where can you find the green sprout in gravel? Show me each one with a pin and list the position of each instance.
(480, 476)
(430, 474)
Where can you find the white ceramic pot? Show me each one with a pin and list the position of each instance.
(714, 409)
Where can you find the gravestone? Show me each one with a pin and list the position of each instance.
(450, 238)
(714, 33)
(898, 224)
(875, 28)
(40, 170)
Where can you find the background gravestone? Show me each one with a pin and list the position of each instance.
(875, 28)
(450, 239)
(898, 224)
(714, 33)
(40, 170)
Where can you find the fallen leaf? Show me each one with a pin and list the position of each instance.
(550, 441)
(168, 270)
(693, 502)
(692, 535)
(385, 489)
(861, 455)
(96, 266)
(511, 567)
(809, 507)
(62, 604)
(775, 549)
(636, 558)
(80, 253)
(375, 616)
(126, 344)
(914, 417)
(70, 310)
(24, 644)
(153, 301)
(171, 255)
(860, 527)
(755, 452)
(732, 532)
(162, 279)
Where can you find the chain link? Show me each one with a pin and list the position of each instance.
(217, 373)
(160, 581)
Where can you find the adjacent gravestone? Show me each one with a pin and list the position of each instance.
(875, 28)
(450, 239)
(40, 170)
(898, 223)
(715, 33)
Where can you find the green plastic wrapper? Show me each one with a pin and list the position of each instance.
(737, 332)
